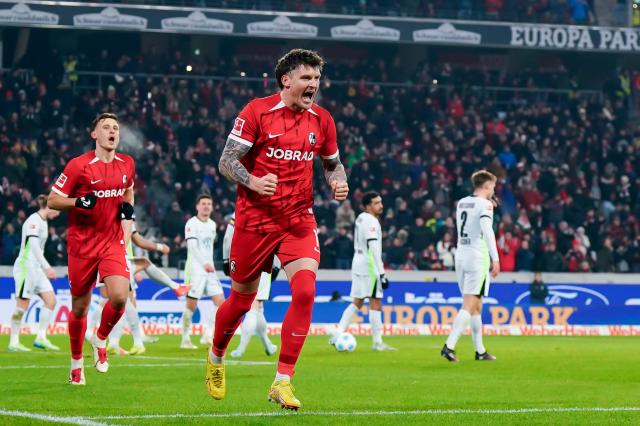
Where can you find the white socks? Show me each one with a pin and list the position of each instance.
(248, 330)
(43, 324)
(348, 313)
(284, 377)
(16, 323)
(459, 325)
(215, 359)
(375, 318)
(187, 315)
(116, 332)
(261, 328)
(476, 333)
(93, 320)
(158, 276)
(131, 315)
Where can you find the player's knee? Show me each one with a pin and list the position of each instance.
(304, 293)
(118, 301)
(17, 314)
(51, 305)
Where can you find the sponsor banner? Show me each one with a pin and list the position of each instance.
(317, 26)
(418, 306)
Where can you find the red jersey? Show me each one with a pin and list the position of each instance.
(283, 142)
(95, 232)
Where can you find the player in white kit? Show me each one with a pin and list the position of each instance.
(200, 235)
(368, 278)
(476, 262)
(254, 320)
(32, 273)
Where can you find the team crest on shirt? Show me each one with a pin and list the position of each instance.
(237, 126)
(312, 138)
(232, 266)
(124, 178)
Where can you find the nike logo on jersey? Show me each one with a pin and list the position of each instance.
(271, 136)
(93, 182)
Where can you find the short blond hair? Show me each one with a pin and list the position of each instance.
(481, 177)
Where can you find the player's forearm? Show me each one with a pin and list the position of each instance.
(376, 249)
(36, 251)
(58, 202)
(489, 237)
(143, 243)
(230, 165)
(334, 170)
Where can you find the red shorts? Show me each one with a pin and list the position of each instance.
(83, 272)
(252, 253)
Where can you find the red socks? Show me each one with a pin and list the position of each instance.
(77, 328)
(297, 320)
(110, 317)
(228, 319)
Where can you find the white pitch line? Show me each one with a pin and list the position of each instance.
(176, 364)
(194, 363)
(227, 361)
(48, 418)
(371, 413)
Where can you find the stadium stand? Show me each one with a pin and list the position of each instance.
(579, 12)
(567, 161)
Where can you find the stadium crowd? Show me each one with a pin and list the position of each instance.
(567, 168)
(580, 12)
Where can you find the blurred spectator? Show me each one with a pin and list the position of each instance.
(538, 290)
(342, 246)
(525, 257)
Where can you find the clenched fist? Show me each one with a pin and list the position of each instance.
(266, 185)
(340, 190)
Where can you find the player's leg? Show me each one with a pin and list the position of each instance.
(375, 320)
(133, 318)
(467, 283)
(77, 322)
(247, 330)
(157, 275)
(49, 304)
(190, 306)
(347, 315)
(93, 320)
(209, 324)
(261, 330)
(118, 293)
(16, 323)
(251, 254)
(295, 327)
(476, 327)
(82, 277)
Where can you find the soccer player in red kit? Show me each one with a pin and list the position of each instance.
(270, 153)
(96, 189)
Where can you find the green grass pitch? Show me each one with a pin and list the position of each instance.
(536, 380)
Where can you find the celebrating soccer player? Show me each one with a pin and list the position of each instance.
(476, 244)
(97, 190)
(269, 153)
(32, 273)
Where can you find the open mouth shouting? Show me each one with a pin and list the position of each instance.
(307, 96)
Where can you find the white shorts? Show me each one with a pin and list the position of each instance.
(475, 282)
(30, 282)
(365, 286)
(264, 288)
(205, 285)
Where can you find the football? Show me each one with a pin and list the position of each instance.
(346, 343)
